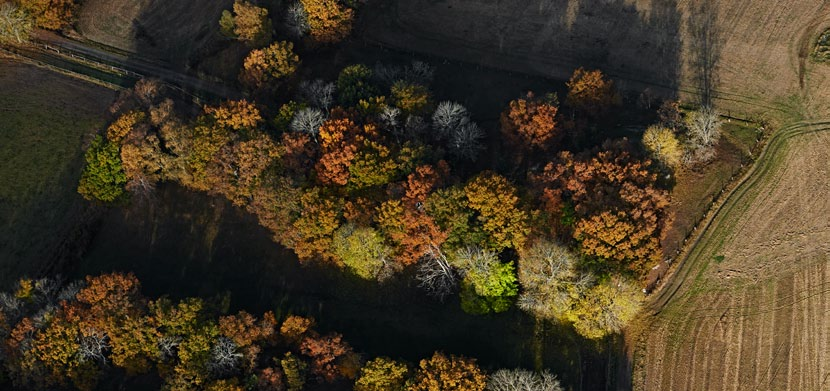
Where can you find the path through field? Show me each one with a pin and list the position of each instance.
(750, 307)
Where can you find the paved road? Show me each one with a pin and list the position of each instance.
(142, 66)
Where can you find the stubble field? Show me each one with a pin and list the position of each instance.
(750, 307)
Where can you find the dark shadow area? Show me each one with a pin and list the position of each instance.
(191, 244)
(639, 44)
(704, 50)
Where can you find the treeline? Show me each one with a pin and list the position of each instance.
(371, 173)
(76, 334)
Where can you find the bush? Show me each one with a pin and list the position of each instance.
(103, 178)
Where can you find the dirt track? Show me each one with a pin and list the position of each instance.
(750, 307)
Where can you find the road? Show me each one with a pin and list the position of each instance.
(142, 66)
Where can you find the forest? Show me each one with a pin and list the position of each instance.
(554, 208)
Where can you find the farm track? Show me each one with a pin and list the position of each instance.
(760, 319)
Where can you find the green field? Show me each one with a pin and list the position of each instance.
(45, 119)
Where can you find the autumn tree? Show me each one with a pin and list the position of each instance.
(319, 219)
(382, 374)
(617, 205)
(663, 146)
(530, 123)
(235, 115)
(326, 354)
(413, 232)
(361, 249)
(328, 20)
(606, 308)
(354, 84)
(248, 23)
(453, 373)
(496, 203)
(50, 14)
(450, 209)
(124, 125)
(15, 24)
(103, 178)
(488, 285)
(411, 98)
(264, 66)
(590, 92)
(522, 380)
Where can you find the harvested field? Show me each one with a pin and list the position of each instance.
(45, 118)
(749, 308)
(752, 53)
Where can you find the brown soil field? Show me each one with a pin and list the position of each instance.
(45, 120)
(752, 53)
(750, 307)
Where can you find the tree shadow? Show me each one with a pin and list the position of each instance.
(704, 50)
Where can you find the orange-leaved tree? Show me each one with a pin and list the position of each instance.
(590, 92)
(529, 123)
(328, 20)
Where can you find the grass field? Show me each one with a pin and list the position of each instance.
(752, 309)
(45, 120)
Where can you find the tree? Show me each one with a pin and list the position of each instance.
(382, 374)
(522, 380)
(448, 117)
(442, 373)
(465, 141)
(235, 115)
(704, 128)
(590, 92)
(606, 308)
(361, 249)
(451, 211)
(325, 352)
(103, 178)
(663, 146)
(248, 23)
(497, 206)
(530, 124)
(436, 275)
(319, 218)
(50, 14)
(354, 84)
(308, 121)
(617, 207)
(317, 93)
(296, 20)
(125, 124)
(295, 371)
(550, 280)
(488, 285)
(409, 97)
(413, 232)
(15, 24)
(275, 62)
(328, 20)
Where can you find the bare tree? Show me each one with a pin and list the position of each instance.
(522, 380)
(168, 346)
(225, 358)
(389, 117)
(15, 25)
(547, 272)
(415, 125)
(309, 121)
(465, 141)
(419, 72)
(46, 290)
(296, 20)
(448, 117)
(704, 127)
(92, 346)
(435, 275)
(11, 306)
(318, 93)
